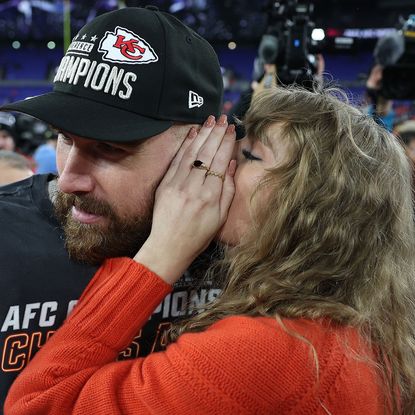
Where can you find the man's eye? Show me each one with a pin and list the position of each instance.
(105, 147)
(249, 156)
(64, 138)
(110, 149)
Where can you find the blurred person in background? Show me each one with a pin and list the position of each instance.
(13, 167)
(406, 132)
(128, 91)
(45, 155)
(317, 312)
(380, 108)
(6, 138)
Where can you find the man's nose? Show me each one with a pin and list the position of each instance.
(76, 175)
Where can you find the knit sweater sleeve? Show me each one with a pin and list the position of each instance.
(76, 371)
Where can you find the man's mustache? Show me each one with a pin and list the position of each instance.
(88, 204)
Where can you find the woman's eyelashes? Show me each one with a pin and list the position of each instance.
(248, 155)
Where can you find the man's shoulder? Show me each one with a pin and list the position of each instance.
(26, 204)
(21, 192)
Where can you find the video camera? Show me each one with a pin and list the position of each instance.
(396, 53)
(287, 42)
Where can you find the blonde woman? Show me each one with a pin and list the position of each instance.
(317, 310)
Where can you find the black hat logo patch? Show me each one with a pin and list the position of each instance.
(124, 46)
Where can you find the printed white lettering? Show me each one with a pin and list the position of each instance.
(166, 310)
(46, 319)
(195, 301)
(12, 319)
(29, 314)
(213, 294)
(44, 313)
(179, 302)
(71, 305)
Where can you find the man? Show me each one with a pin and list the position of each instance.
(127, 92)
(406, 132)
(6, 138)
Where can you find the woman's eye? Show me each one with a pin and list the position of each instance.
(249, 156)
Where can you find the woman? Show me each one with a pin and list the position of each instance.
(317, 312)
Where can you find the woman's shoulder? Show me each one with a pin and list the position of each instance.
(296, 339)
(316, 332)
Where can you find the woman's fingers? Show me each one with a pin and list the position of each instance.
(208, 151)
(191, 152)
(221, 159)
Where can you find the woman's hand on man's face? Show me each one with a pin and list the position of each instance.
(191, 203)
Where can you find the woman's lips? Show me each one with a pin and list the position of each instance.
(85, 217)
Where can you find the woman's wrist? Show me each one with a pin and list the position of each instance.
(169, 266)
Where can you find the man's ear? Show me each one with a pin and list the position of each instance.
(182, 130)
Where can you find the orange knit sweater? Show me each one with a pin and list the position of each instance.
(240, 365)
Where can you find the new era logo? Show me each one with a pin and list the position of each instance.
(195, 100)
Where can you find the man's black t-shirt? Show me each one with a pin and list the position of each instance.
(39, 284)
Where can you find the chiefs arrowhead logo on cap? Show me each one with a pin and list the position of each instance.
(124, 46)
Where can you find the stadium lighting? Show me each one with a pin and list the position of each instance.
(318, 34)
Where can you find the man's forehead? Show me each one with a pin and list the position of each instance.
(127, 144)
(5, 132)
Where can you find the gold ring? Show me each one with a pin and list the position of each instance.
(198, 164)
(216, 174)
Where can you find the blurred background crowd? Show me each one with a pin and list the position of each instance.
(366, 47)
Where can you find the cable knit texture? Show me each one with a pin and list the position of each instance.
(240, 365)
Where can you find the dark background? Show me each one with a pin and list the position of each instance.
(27, 65)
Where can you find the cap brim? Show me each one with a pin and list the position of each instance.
(87, 118)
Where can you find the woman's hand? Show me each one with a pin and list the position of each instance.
(191, 205)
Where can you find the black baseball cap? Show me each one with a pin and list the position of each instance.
(130, 74)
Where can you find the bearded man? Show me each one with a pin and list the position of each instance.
(126, 94)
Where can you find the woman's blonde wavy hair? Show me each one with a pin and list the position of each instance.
(336, 237)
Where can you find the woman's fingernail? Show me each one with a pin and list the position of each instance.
(223, 119)
(232, 167)
(230, 129)
(192, 133)
(210, 122)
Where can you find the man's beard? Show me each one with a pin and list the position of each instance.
(90, 243)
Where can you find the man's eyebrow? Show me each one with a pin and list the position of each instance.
(125, 144)
(128, 144)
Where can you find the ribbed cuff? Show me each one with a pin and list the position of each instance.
(118, 301)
